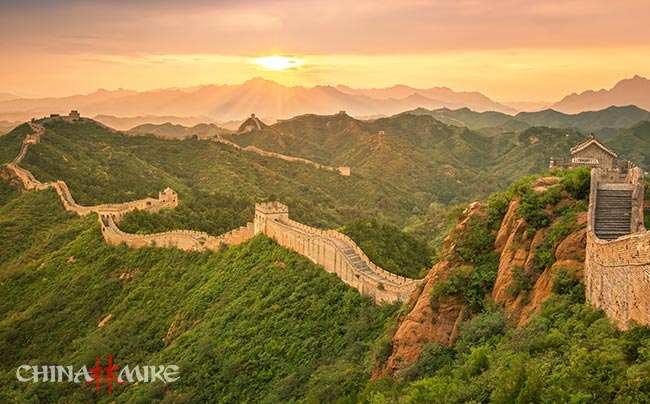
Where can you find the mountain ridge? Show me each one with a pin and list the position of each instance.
(635, 90)
(227, 102)
(611, 117)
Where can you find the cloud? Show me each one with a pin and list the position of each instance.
(319, 26)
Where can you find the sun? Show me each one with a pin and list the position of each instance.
(279, 63)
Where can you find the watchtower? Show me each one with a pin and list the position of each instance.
(268, 211)
(74, 115)
(592, 153)
(169, 196)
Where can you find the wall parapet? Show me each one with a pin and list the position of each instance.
(325, 251)
(188, 240)
(344, 171)
(617, 272)
(337, 252)
(357, 250)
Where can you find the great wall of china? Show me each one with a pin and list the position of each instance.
(617, 262)
(254, 123)
(344, 171)
(336, 252)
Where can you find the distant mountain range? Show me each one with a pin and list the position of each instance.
(7, 97)
(125, 123)
(261, 96)
(634, 91)
(605, 122)
(221, 103)
(6, 126)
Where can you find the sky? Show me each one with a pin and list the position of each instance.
(510, 50)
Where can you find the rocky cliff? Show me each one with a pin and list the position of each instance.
(522, 281)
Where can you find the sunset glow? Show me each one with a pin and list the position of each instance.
(278, 63)
(508, 50)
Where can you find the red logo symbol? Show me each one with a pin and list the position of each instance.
(106, 375)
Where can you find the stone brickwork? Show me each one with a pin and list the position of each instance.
(336, 252)
(344, 171)
(188, 240)
(617, 277)
(617, 272)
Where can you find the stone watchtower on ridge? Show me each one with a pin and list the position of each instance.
(251, 124)
(589, 153)
(74, 115)
(268, 211)
(169, 196)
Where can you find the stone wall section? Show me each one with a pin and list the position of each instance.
(188, 240)
(30, 182)
(617, 272)
(344, 171)
(336, 252)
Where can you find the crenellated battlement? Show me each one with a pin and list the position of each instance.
(617, 262)
(271, 208)
(336, 252)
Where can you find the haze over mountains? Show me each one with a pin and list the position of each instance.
(266, 98)
(605, 122)
(634, 91)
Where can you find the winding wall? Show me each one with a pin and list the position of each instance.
(336, 252)
(344, 171)
(188, 240)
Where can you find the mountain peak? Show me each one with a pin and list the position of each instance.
(259, 80)
(632, 91)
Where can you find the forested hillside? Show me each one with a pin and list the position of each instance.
(103, 166)
(253, 322)
(431, 161)
(259, 323)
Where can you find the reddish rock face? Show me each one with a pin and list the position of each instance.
(422, 325)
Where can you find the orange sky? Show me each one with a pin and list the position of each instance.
(508, 50)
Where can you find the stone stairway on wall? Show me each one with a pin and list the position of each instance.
(354, 258)
(613, 213)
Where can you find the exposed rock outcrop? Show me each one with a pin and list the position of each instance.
(422, 325)
(516, 248)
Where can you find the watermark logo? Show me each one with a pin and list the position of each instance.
(107, 377)
(98, 375)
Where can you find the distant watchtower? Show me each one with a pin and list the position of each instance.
(169, 196)
(251, 124)
(32, 138)
(268, 211)
(74, 115)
